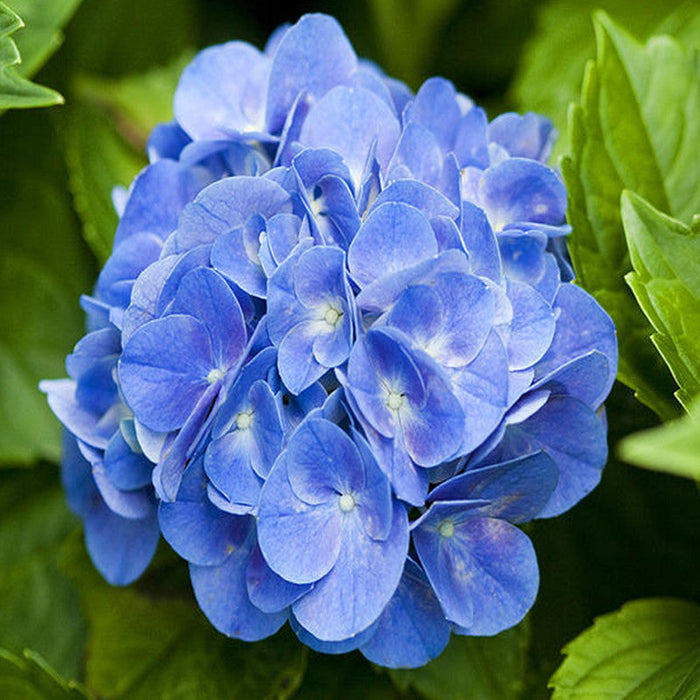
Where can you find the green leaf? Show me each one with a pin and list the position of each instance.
(407, 33)
(634, 129)
(43, 34)
(135, 103)
(647, 650)
(153, 644)
(29, 677)
(44, 267)
(673, 448)
(473, 667)
(549, 74)
(666, 282)
(40, 609)
(97, 159)
(15, 90)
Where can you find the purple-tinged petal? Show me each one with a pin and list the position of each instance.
(412, 629)
(516, 490)
(222, 594)
(523, 136)
(297, 365)
(194, 528)
(268, 591)
(483, 570)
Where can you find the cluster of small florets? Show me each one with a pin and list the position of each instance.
(335, 358)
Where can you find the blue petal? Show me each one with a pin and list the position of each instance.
(532, 328)
(164, 368)
(157, 197)
(349, 121)
(204, 295)
(412, 630)
(521, 190)
(471, 147)
(395, 236)
(222, 594)
(312, 57)
(288, 525)
(582, 326)
(480, 242)
(435, 107)
(298, 367)
(483, 570)
(342, 647)
(231, 257)
(225, 205)
(125, 468)
(268, 591)
(222, 91)
(517, 490)
(523, 136)
(360, 584)
(194, 528)
(428, 200)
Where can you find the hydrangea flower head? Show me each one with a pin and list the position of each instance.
(336, 358)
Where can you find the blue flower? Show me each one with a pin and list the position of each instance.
(337, 350)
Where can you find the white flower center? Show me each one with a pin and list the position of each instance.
(244, 420)
(215, 375)
(446, 528)
(346, 502)
(332, 316)
(395, 400)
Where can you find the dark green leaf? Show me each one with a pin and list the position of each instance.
(673, 447)
(44, 267)
(29, 677)
(98, 159)
(473, 667)
(15, 90)
(39, 609)
(649, 649)
(666, 282)
(146, 644)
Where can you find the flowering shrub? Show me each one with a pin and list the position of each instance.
(336, 357)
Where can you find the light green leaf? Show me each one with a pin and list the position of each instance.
(29, 677)
(15, 90)
(44, 20)
(44, 267)
(473, 667)
(40, 609)
(673, 448)
(151, 644)
(666, 282)
(97, 159)
(649, 649)
(634, 129)
(549, 75)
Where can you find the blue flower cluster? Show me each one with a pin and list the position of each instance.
(336, 357)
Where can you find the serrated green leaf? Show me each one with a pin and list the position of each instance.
(549, 75)
(44, 267)
(42, 36)
(473, 667)
(647, 650)
(146, 644)
(39, 609)
(634, 129)
(666, 282)
(29, 677)
(15, 90)
(673, 448)
(98, 159)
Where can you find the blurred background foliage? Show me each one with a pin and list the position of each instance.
(116, 63)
